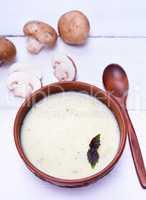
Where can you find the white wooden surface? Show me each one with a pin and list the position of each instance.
(108, 18)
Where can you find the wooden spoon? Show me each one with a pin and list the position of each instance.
(116, 82)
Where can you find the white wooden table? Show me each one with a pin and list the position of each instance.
(118, 34)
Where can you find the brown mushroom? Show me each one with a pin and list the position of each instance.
(7, 50)
(39, 35)
(74, 27)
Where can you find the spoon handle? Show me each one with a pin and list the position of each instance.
(136, 152)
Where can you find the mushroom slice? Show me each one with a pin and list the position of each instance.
(7, 50)
(31, 69)
(22, 84)
(39, 35)
(22, 90)
(64, 68)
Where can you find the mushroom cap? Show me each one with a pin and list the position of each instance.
(74, 27)
(41, 31)
(7, 50)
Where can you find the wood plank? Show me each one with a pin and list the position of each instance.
(91, 60)
(114, 17)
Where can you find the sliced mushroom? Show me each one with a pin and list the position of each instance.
(7, 50)
(39, 35)
(31, 69)
(74, 27)
(22, 90)
(22, 84)
(64, 68)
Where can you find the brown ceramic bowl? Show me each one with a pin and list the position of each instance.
(61, 87)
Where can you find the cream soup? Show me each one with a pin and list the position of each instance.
(57, 131)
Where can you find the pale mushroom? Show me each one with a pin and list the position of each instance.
(31, 69)
(64, 68)
(74, 27)
(7, 50)
(22, 84)
(40, 35)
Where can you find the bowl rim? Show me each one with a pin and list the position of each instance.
(62, 181)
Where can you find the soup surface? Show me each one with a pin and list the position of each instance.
(57, 131)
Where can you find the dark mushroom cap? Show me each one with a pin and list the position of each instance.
(74, 27)
(7, 50)
(41, 31)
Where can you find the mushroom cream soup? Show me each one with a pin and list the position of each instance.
(57, 131)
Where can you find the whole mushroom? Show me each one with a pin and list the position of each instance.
(39, 35)
(74, 27)
(7, 50)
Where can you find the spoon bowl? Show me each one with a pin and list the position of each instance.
(115, 80)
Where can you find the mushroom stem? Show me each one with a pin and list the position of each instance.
(34, 46)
